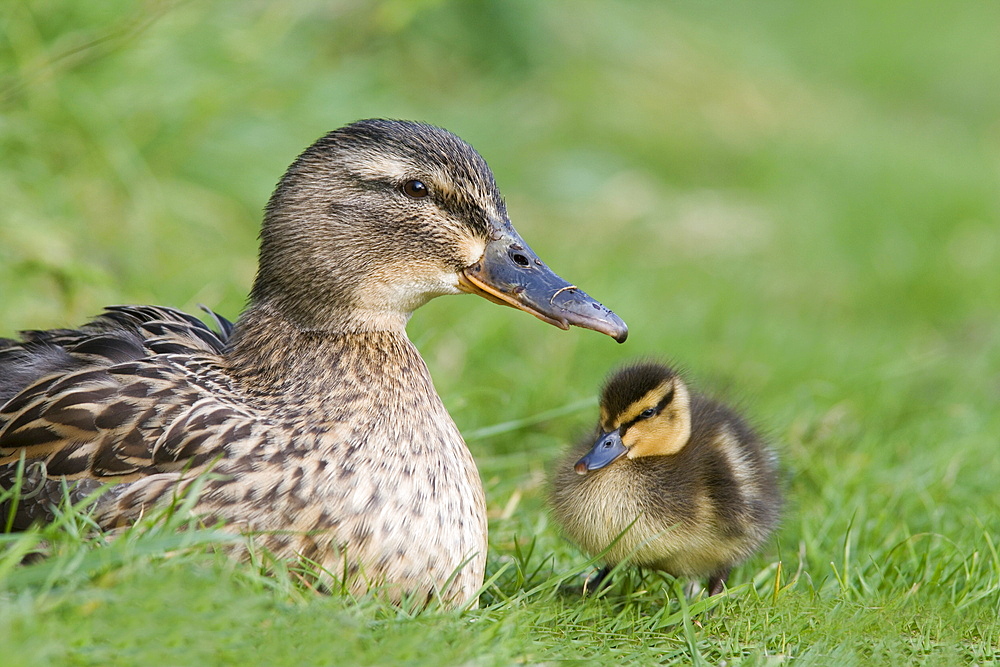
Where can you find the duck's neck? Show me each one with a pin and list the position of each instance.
(271, 355)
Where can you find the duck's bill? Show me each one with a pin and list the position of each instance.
(608, 448)
(511, 274)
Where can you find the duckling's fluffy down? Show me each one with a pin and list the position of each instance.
(695, 513)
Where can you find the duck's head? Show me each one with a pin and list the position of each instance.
(378, 217)
(645, 411)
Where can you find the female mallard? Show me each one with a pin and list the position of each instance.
(679, 480)
(314, 411)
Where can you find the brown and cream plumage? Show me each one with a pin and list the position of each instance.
(681, 481)
(315, 412)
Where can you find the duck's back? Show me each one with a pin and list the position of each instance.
(92, 404)
(120, 334)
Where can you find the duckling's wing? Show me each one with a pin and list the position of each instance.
(135, 392)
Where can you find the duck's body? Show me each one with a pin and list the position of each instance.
(315, 413)
(673, 481)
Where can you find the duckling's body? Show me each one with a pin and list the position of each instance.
(684, 481)
(315, 413)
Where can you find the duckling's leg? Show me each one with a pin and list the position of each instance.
(717, 581)
(595, 582)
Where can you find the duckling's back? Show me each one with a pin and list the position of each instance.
(730, 473)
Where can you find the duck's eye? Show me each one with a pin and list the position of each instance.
(647, 413)
(415, 189)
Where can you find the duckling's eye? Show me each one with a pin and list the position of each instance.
(415, 189)
(647, 413)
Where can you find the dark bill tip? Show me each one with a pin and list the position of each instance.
(582, 310)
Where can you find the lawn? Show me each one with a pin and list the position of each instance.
(797, 202)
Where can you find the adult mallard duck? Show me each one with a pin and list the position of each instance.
(672, 480)
(315, 412)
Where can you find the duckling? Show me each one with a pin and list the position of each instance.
(681, 481)
(315, 413)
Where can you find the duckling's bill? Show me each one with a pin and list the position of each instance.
(608, 448)
(510, 273)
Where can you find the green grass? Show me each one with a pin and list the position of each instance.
(798, 202)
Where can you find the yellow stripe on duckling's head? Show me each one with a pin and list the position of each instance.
(651, 407)
(667, 428)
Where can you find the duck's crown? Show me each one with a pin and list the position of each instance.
(371, 221)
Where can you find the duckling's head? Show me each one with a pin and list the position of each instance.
(380, 216)
(645, 411)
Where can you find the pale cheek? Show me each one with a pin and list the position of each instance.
(632, 437)
(652, 439)
(445, 283)
(404, 294)
(473, 251)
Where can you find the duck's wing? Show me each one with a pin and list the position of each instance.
(121, 333)
(137, 391)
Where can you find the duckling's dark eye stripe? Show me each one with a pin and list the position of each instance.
(669, 396)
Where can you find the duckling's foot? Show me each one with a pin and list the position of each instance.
(716, 582)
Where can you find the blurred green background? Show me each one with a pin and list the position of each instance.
(797, 202)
